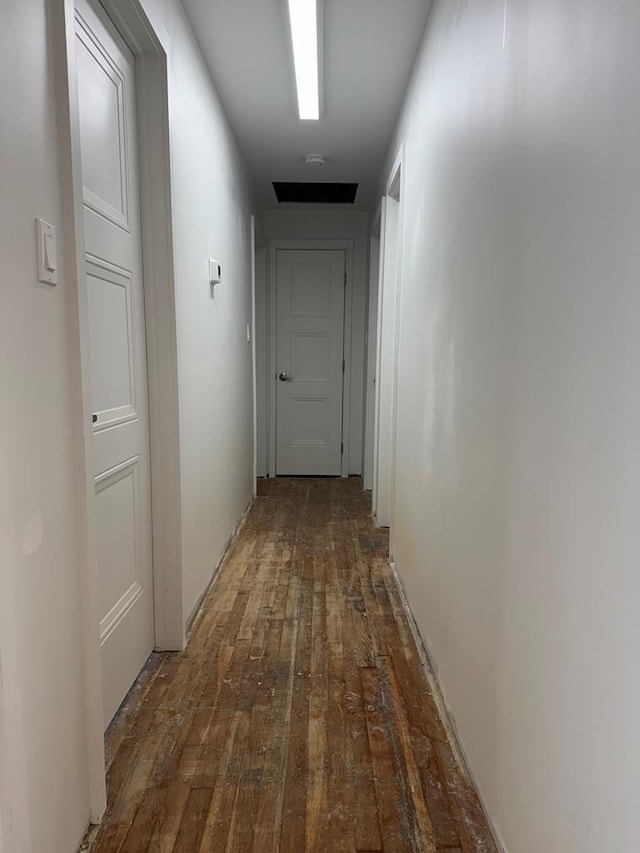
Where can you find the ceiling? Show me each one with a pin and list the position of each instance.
(369, 50)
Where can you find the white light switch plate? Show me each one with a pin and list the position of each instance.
(47, 252)
(215, 272)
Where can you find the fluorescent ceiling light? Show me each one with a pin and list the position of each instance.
(303, 15)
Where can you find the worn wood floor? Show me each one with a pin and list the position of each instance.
(300, 718)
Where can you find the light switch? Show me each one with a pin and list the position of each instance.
(215, 272)
(47, 252)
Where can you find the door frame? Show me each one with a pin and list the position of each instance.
(254, 377)
(376, 398)
(396, 184)
(308, 245)
(389, 307)
(257, 249)
(261, 352)
(162, 366)
(375, 265)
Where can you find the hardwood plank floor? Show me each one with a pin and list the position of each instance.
(300, 717)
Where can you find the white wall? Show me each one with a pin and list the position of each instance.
(300, 224)
(40, 606)
(211, 218)
(14, 816)
(45, 805)
(518, 479)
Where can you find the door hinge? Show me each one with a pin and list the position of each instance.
(345, 279)
(343, 365)
(341, 448)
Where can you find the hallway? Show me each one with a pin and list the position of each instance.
(300, 717)
(430, 280)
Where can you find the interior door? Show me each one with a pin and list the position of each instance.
(117, 349)
(310, 361)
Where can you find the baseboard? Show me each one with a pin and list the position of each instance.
(446, 715)
(197, 610)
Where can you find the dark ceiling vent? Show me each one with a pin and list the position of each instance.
(315, 193)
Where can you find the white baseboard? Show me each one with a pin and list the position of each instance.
(195, 613)
(446, 715)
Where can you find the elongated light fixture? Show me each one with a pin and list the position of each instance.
(303, 15)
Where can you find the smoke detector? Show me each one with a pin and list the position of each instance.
(315, 160)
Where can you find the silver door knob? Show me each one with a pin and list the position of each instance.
(284, 377)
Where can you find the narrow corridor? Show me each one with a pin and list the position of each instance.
(300, 717)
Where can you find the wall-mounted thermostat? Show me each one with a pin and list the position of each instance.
(215, 272)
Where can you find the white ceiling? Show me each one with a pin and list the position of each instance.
(369, 50)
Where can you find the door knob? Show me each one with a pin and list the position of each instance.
(284, 377)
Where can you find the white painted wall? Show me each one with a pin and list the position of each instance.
(518, 465)
(211, 218)
(15, 824)
(40, 604)
(42, 724)
(300, 224)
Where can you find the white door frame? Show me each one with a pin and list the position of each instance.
(375, 263)
(260, 338)
(376, 402)
(254, 372)
(159, 296)
(396, 191)
(301, 245)
(257, 243)
(389, 304)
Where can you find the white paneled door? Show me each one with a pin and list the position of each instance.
(310, 290)
(117, 349)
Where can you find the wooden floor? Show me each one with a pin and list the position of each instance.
(300, 718)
